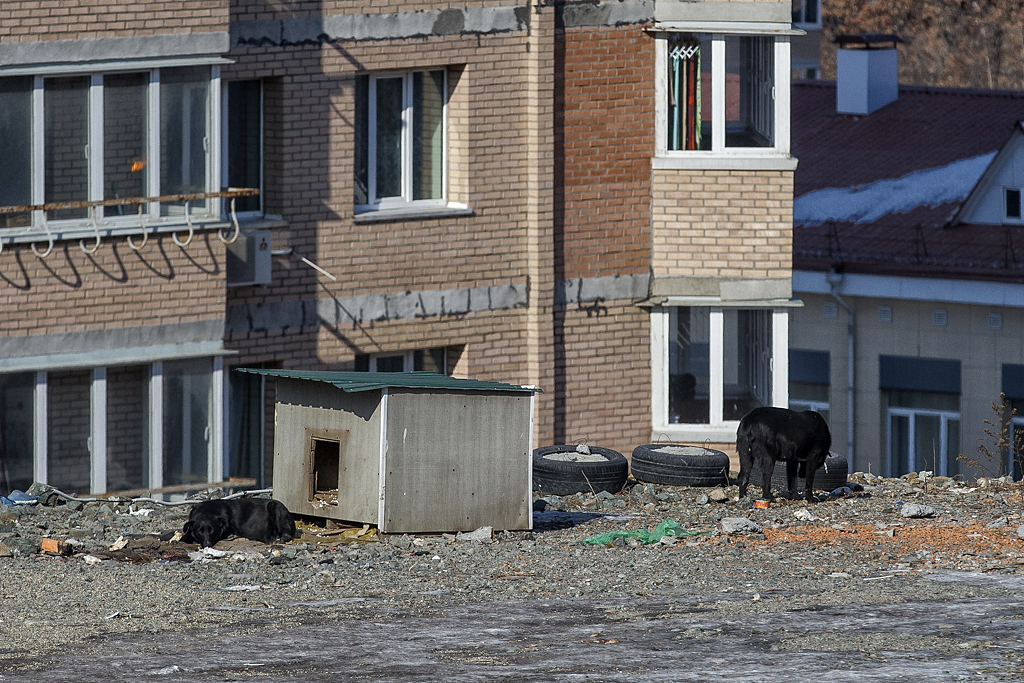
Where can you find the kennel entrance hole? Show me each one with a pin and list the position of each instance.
(325, 450)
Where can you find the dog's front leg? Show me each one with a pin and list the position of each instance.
(809, 490)
(766, 482)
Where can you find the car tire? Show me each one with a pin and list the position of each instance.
(830, 476)
(680, 465)
(563, 471)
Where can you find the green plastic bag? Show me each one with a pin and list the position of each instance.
(668, 527)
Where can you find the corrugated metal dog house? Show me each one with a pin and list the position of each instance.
(412, 452)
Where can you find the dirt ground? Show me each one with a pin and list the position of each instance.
(848, 586)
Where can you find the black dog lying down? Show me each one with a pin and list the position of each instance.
(258, 519)
(800, 439)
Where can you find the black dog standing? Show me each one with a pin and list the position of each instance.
(800, 439)
(258, 519)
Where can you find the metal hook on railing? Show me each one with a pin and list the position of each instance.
(191, 231)
(49, 236)
(145, 233)
(96, 230)
(234, 221)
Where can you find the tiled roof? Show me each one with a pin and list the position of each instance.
(925, 128)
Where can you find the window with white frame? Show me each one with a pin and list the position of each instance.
(718, 364)
(807, 13)
(434, 360)
(923, 432)
(400, 140)
(107, 136)
(720, 92)
(94, 430)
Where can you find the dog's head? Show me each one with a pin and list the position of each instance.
(205, 530)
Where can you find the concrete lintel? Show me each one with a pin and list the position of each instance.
(160, 46)
(607, 288)
(607, 13)
(689, 10)
(100, 358)
(731, 289)
(724, 162)
(113, 340)
(356, 310)
(396, 25)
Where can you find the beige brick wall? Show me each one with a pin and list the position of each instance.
(603, 372)
(116, 287)
(32, 20)
(723, 223)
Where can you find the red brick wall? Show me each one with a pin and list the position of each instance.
(604, 103)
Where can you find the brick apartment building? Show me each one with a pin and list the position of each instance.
(594, 198)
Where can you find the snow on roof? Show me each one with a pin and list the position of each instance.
(867, 203)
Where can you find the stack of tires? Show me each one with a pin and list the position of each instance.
(680, 465)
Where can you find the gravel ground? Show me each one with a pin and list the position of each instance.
(852, 549)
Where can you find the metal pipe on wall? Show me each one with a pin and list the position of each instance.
(834, 280)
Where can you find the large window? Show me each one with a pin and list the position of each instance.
(16, 429)
(720, 92)
(924, 432)
(719, 364)
(400, 140)
(95, 137)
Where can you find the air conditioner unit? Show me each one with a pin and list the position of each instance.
(249, 259)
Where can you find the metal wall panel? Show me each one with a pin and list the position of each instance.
(457, 461)
(304, 405)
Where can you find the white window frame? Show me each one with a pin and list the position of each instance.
(717, 430)
(803, 13)
(408, 359)
(912, 414)
(718, 149)
(405, 201)
(74, 228)
(97, 439)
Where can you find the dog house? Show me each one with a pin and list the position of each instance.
(411, 452)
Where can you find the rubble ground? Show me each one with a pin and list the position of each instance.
(855, 547)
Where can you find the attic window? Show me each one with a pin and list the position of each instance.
(1012, 200)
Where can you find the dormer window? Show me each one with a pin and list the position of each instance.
(1011, 200)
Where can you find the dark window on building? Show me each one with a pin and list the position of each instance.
(245, 140)
(1012, 195)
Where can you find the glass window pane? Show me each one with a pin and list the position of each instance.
(927, 443)
(127, 427)
(924, 399)
(689, 364)
(125, 139)
(361, 133)
(746, 362)
(16, 430)
(389, 137)
(15, 148)
(246, 425)
(427, 134)
(245, 140)
(390, 363)
(66, 133)
(952, 447)
(188, 386)
(67, 430)
(184, 101)
(1017, 452)
(689, 91)
(899, 444)
(749, 91)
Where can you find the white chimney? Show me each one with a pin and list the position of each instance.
(866, 72)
